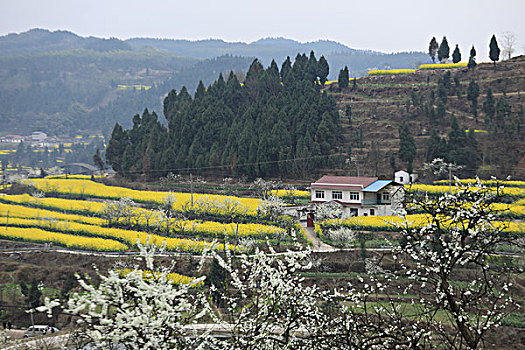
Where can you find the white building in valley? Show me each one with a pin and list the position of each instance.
(359, 196)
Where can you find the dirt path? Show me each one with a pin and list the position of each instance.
(318, 245)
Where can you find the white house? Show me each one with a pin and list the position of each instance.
(359, 196)
(404, 178)
(38, 136)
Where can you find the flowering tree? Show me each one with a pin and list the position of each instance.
(456, 244)
(123, 209)
(271, 208)
(139, 309)
(328, 210)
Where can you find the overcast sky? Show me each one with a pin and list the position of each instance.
(383, 25)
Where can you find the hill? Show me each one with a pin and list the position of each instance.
(374, 109)
(337, 54)
(63, 84)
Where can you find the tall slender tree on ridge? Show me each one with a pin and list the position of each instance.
(456, 55)
(433, 48)
(343, 78)
(443, 51)
(494, 50)
(472, 59)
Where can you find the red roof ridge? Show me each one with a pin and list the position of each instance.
(346, 180)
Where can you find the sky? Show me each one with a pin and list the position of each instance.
(382, 25)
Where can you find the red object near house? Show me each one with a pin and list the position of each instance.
(310, 220)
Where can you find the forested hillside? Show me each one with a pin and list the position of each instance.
(64, 84)
(86, 91)
(469, 117)
(277, 123)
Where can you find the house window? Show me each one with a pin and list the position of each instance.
(337, 195)
(354, 212)
(372, 212)
(386, 197)
(319, 194)
(354, 196)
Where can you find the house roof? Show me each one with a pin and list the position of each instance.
(377, 186)
(343, 182)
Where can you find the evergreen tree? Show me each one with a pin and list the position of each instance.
(494, 50)
(286, 68)
(456, 55)
(343, 78)
(472, 96)
(489, 106)
(407, 145)
(443, 51)
(472, 59)
(433, 48)
(323, 70)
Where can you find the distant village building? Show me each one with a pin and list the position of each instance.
(404, 178)
(38, 136)
(359, 196)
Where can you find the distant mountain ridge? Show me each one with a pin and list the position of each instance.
(338, 55)
(37, 41)
(209, 48)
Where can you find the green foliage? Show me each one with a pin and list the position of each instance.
(256, 129)
(343, 79)
(407, 145)
(456, 55)
(433, 48)
(443, 51)
(494, 50)
(472, 59)
(323, 70)
(472, 96)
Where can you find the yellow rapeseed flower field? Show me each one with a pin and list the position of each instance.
(390, 71)
(296, 193)
(442, 65)
(70, 205)
(174, 277)
(128, 237)
(71, 241)
(491, 182)
(26, 212)
(94, 189)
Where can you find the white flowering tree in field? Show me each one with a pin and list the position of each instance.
(449, 261)
(271, 208)
(328, 210)
(266, 303)
(138, 309)
(121, 210)
(342, 236)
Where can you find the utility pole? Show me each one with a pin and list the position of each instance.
(191, 189)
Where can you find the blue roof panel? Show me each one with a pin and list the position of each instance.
(377, 186)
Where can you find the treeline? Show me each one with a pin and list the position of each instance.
(277, 123)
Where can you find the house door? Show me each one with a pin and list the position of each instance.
(310, 220)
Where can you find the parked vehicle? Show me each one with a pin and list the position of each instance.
(37, 330)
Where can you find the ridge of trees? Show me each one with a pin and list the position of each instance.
(277, 123)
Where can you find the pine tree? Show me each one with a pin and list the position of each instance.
(407, 145)
(432, 49)
(322, 70)
(494, 50)
(343, 78)
(472, 59)
(443, 51)
(489, 106)
(472, 96)
(456, 55)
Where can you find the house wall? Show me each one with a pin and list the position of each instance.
(328, 196)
